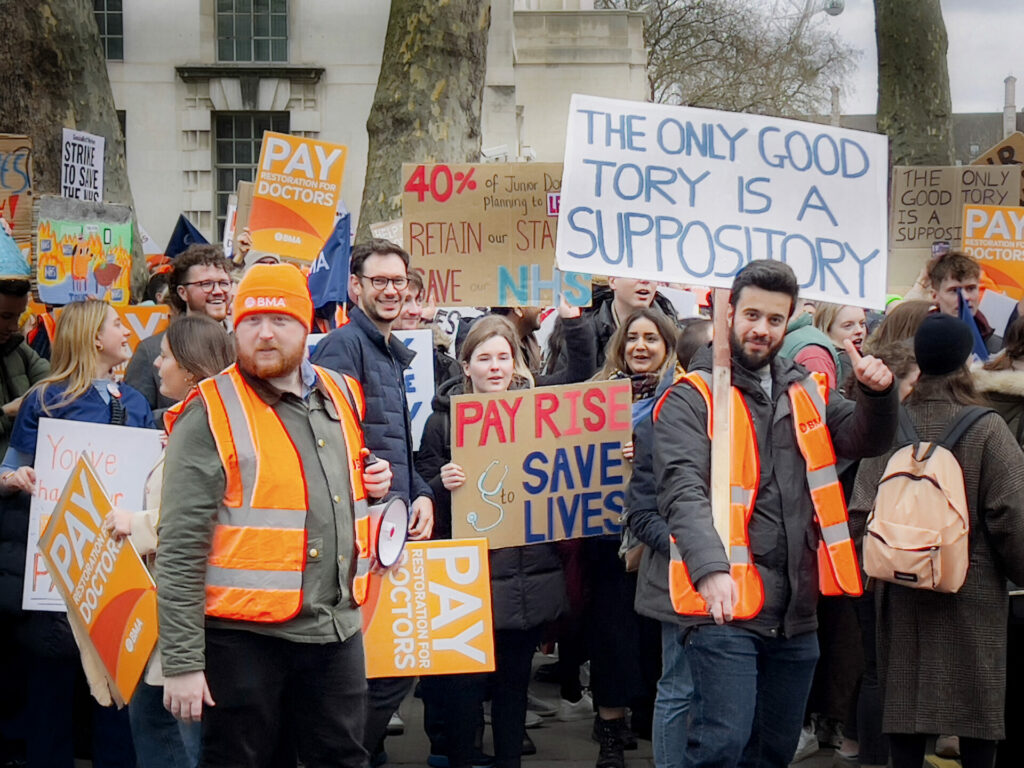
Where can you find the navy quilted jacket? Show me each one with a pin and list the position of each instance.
(360, 350)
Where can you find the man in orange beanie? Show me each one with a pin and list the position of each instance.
(263, 552)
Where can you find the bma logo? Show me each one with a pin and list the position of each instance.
(264, 302)
(807, 426)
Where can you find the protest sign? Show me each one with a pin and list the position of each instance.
(690, 195)
(16, 188)
(541, 464)
(83, 250)
(450, 320)
(144, 322)
(81, 166)
(484, 234)
(295, 195)
(431, 613)
(389, 230)
(228, 241)
(419, 379)
(122, 458)
(994, 236)
(103, 582)
(1009, 151)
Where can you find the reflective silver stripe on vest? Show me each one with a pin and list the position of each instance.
(739, 555)
(673, 549)
(811, 387)
(360, 508)
(245, 517)
(362, 566)
(242, 438)
(836, 533)
(247, 579)
(822, 478)
(740, 495)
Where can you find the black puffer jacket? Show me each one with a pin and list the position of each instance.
(527, 583)
(783, 536)
(360, 350)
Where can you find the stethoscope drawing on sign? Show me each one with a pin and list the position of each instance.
(486, 497)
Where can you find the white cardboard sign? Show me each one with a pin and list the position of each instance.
(81, 166)
(122, 457)
(690, 195)
(419, 379)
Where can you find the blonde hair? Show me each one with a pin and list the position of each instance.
(485, 329)
(825, 315)
(74, 357)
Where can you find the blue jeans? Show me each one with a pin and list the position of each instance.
(749, 694)
(672, 703)
(161, 741)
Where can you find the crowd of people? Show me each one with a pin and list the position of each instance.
(754, 651)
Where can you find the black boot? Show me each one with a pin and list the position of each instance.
(609, 736)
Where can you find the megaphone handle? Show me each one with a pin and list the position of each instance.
(369, 458)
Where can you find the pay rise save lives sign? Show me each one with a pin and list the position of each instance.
(693, 195)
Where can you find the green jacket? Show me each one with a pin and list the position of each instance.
(193, 487)
(801, 333)
(20, 369)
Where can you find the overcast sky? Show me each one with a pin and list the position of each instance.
(986, 43)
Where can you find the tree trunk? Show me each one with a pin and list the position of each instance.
(914, 106)
(55, 77)
(428, 100)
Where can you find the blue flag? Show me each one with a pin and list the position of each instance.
(980, 350)
(328, 277)
(184, 235)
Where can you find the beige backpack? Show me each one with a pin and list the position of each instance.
(917, 532)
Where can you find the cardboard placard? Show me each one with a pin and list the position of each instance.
(83, 250)
(431, 613)
(389, 230)
(228, 241)
(688, 195)
(541, 464)
(1009, 151)
(81, 166)
(484, 234)
(16, 183)
(419, 379)
(103, 582)
(295, 195)
(928, 201)
(144, 322)
(994, 236)
(122, 457)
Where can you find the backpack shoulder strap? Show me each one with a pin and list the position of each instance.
(961, 424)
(906, 432)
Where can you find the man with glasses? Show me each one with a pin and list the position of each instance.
(365, 349)
(199, 283)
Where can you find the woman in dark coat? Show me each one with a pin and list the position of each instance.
(527, 583)
(942, 657)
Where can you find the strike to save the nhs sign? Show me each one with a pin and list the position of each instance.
(690, 195)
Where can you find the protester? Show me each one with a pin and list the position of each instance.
(194, 348)
(642, 350)
(900, 323)
(1001, 381)
(199, 283)
(761, 661)
(20, 366)
(808, 345)
(576, 331)
(156, 290)
(366, 350)
(955, 274)
(90, 342)
(412, 304)
(280, 646)
(841, 322)
(648, 526)
(931, 686)
(527, 585)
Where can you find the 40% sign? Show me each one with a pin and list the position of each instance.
(442, 183)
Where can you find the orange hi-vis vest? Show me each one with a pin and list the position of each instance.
(254, 570)
(838, 570)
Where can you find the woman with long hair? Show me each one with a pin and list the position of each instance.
(194, 348)
(1001, 380)
(527, 583)
(625, 647)
(942, 656)
(89, 343)
(841, 322)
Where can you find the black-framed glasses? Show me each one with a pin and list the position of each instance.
(380, 283)
(207, 286)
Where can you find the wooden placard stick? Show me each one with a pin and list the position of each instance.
(721, 397)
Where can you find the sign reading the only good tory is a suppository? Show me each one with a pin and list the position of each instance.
(692, 195)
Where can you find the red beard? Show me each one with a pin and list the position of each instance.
(270, 366)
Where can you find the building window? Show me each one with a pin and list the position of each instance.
(252, 30)
(111, 26)
(237, 139)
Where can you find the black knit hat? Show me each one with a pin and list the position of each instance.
(942, 344)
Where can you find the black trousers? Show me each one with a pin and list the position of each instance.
(267, 689)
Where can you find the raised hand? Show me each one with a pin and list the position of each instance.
(869, 370)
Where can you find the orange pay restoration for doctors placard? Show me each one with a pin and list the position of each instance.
(107, 588)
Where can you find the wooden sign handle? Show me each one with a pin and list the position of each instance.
(721, 396)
